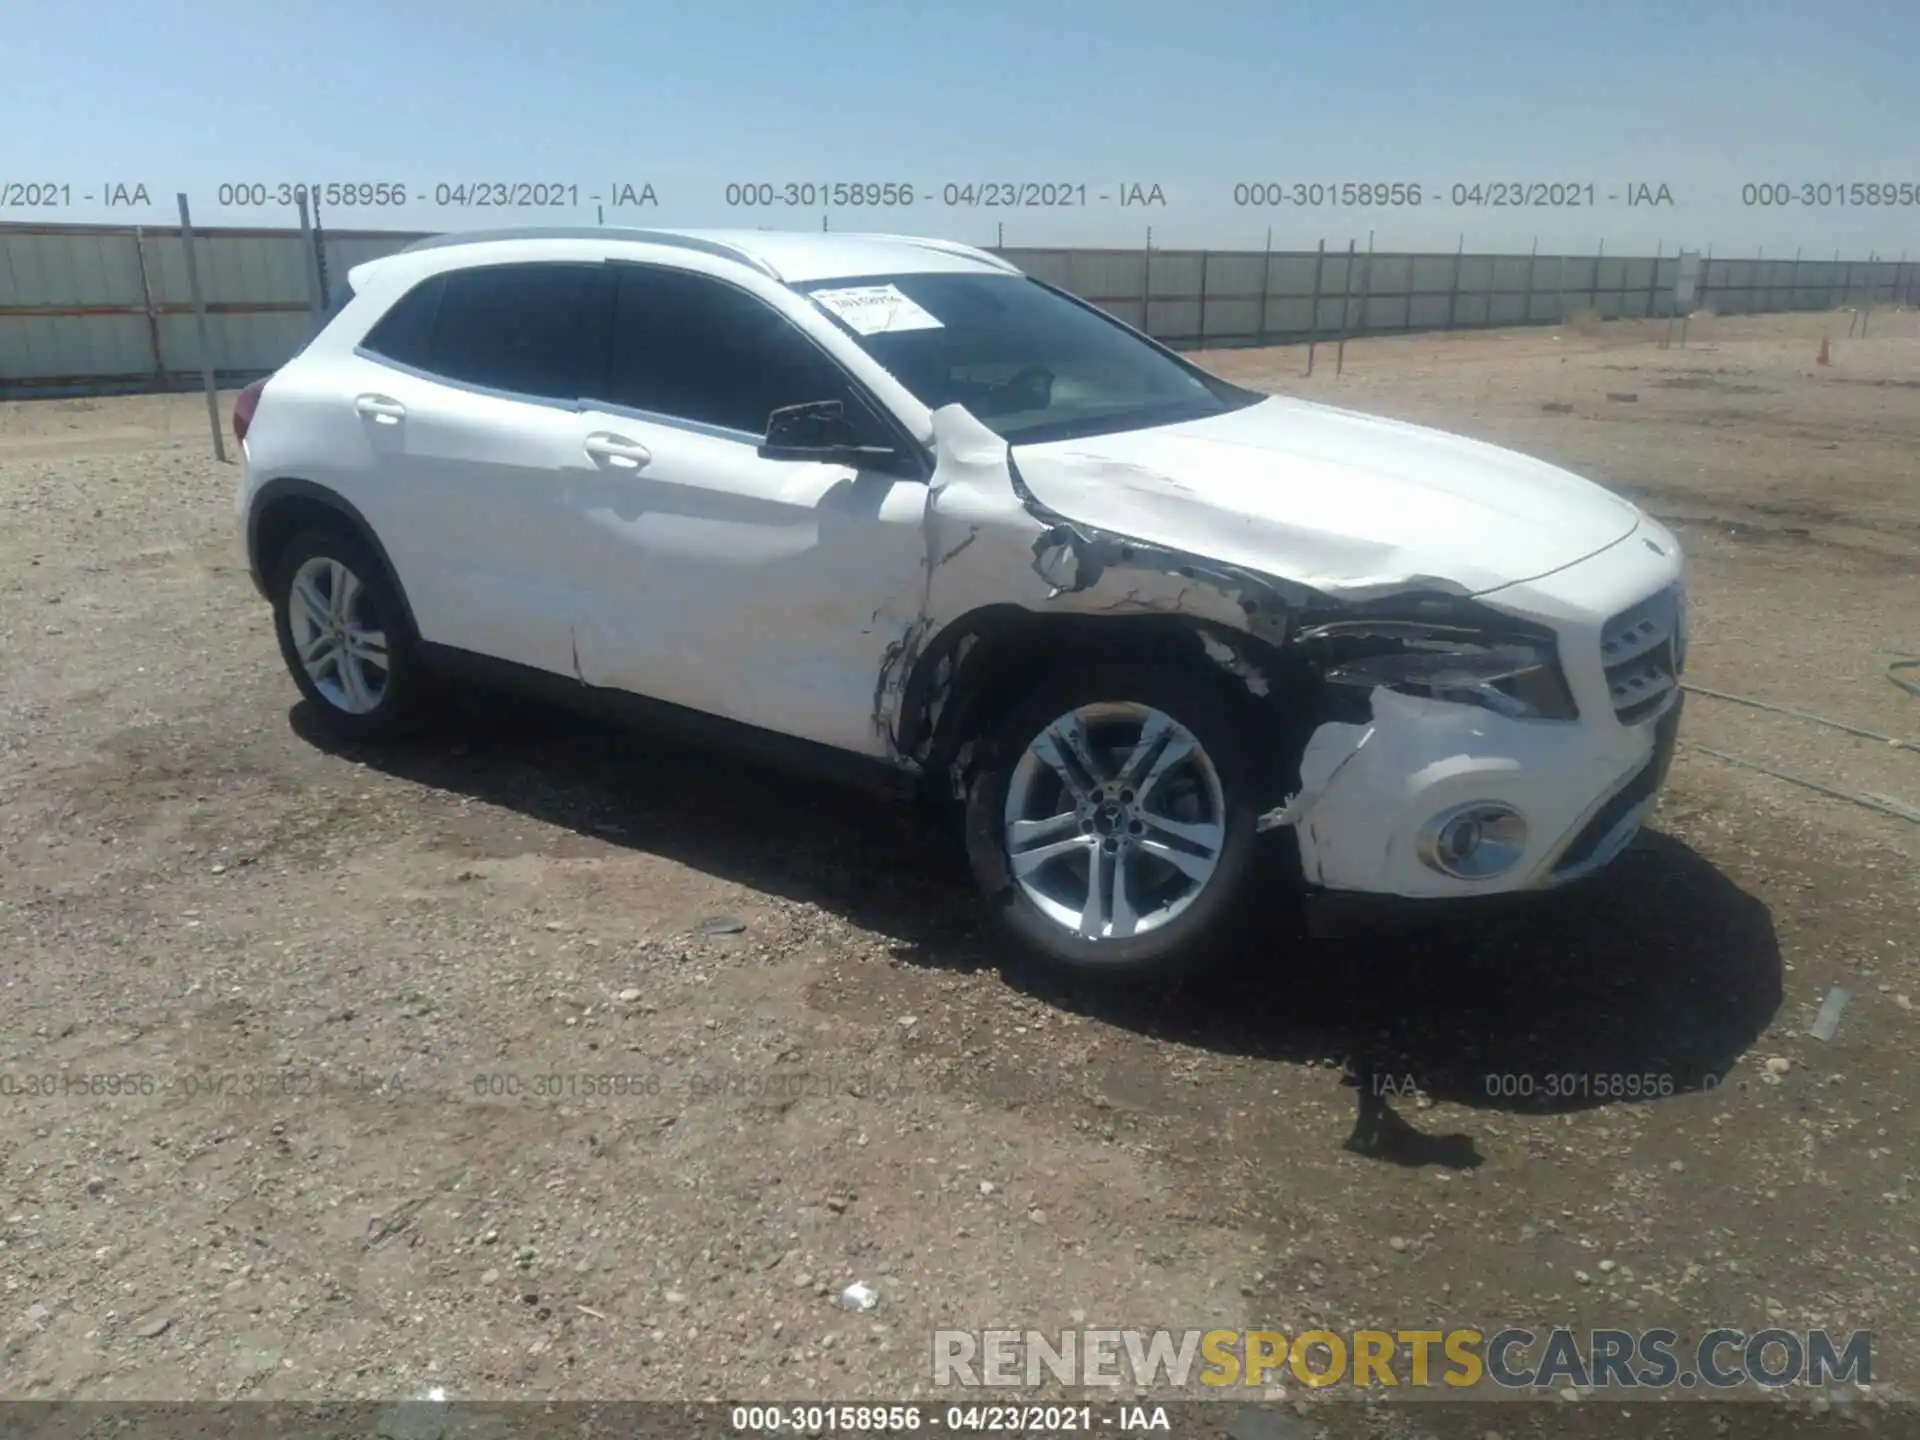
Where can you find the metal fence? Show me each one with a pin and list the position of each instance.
(88, 308)
(1195, 297)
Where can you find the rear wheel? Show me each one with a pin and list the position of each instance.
(344, 635)
(1111, 822)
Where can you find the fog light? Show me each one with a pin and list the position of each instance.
(1474, 842)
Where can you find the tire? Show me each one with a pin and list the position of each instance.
(304, 580)
(1179, 920)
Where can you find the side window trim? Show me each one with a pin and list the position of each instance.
(672, 422)
(519, 397)
(908, 444)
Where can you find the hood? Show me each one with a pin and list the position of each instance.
(1331, 498)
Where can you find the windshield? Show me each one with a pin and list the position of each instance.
(1028, 362)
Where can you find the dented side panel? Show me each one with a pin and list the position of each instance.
(767, 591)
(988, 541)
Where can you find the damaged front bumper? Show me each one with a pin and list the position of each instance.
(1606, 827)
(1563, 798)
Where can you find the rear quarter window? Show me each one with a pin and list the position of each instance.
(532, 330)
(404, 334)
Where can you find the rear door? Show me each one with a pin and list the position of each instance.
(468, 395)
(762, 590)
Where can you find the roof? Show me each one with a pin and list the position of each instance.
(792, 256)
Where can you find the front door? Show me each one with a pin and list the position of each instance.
(766, 591)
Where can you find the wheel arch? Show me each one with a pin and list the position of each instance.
(287, 505)
(984, 661)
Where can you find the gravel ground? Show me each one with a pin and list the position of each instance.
(305, 960)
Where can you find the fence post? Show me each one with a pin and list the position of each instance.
(1453, 287)
(1593, 290)
(1266, 283)
(1700, 295)
(308, 266)
(146, 299)
(1366, 285)
(1653, 279)
(200, 325)
(1205, 256)
(320, 255)
(1346, 314)
(1526, 309)
(1313, 320)
(1793, 282)
(1146, 286)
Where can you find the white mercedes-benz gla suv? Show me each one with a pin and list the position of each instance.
(890, 500)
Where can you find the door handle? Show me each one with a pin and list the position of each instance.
(381, 408)
(617, 451)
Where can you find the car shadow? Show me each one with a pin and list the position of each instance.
(1646, 981)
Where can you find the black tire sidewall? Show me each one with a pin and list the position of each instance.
(403, 673)
(1196, 936)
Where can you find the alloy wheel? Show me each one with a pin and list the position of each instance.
(1115, 820)
(340, 644)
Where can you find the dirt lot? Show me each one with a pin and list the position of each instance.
(305, 960)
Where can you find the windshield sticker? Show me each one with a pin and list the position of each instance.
(874, 309)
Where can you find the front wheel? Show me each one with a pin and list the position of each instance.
(1111, 822)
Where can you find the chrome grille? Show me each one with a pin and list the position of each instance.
(1641, 650)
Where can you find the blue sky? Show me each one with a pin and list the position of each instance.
(1703, 96)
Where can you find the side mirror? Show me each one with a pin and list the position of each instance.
(819, 431)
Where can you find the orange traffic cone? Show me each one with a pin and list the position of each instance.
(1821, 358)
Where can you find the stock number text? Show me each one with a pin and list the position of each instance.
(1345, 193)
(1825, 194)
(1583, 1085)
(817, 194)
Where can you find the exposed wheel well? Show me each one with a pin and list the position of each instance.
(984, 663)
(285, 508)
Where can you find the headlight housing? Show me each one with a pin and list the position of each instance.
(1463, 654)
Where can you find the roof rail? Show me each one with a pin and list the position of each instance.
(597, 232)
(954, 247)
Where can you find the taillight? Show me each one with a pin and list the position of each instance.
(243, 407)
